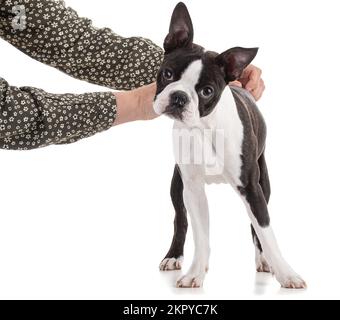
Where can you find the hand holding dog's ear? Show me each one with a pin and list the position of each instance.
(251, 80)
(181, 31)
(234, 61)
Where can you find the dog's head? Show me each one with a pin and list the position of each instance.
(191, 80)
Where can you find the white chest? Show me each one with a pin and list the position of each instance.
(212, 150)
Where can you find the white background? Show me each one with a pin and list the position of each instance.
(94, 219)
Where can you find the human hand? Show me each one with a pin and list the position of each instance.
(135, 104)
(146, 98)
(251, 80)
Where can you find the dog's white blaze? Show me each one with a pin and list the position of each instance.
(192, 74)
(186, 83)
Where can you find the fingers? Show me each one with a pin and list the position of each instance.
(147, 94)
(235, 83)
(252, 81)
(258, 92)
(254, 77)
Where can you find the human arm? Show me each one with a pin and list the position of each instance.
(32, 118)
(25, 121)
(57, 36)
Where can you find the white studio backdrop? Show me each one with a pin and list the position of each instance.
(93, 219)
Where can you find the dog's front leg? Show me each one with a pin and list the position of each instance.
(197, 205)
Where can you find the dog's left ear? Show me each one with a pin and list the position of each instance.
(234, 61)
(181, 31)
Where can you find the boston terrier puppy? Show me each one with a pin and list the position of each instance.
(192, 90)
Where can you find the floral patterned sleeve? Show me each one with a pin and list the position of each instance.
(55, 35)
(31, 118)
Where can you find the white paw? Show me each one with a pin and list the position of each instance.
(291, 281)
(262, 264)
(169, 264)
(191, 281)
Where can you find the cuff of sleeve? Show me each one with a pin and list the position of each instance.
(91, 120)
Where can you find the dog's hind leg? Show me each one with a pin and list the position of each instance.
(254, 199)
(261, 262)
(264, 177)
(174, 258)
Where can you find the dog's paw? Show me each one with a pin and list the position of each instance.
(292, 281)
(262, 264)
(190, 281)
(170, 264)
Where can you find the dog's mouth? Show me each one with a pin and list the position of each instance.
(174, 112)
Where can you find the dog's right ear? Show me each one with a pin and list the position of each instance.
(235, 60)
(181, 31)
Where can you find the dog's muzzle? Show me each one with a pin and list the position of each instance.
(177, 102)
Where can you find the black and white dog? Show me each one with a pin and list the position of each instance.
(192, 90)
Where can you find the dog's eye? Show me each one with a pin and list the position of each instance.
(206, 92)
(167, 74)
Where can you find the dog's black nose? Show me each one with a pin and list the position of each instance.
(179, 99)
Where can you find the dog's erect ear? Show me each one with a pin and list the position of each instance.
(235, 60)
(181, 31)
